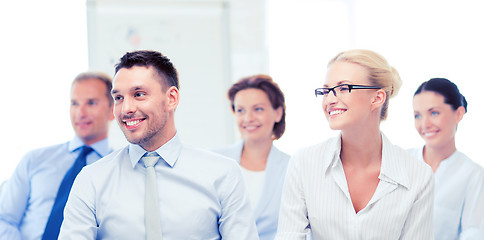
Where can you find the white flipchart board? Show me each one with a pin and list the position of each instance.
(194, 35)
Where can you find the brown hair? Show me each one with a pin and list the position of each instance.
(103, 77)
(274, 93)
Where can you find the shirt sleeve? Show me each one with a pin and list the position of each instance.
(14, 200)
(293, 214)
(237, 218)
(80, 213)
(473, 209)
(419, 223)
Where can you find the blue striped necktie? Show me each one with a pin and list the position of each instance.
(57, 214)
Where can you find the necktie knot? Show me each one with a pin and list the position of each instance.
(81, 159)
(150, 159)
(85, 150)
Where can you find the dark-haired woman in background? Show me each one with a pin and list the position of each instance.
(459, 182)
(258, 105)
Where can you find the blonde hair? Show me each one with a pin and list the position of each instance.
(380, 73)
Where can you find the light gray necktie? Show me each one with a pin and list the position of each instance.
(152, 205)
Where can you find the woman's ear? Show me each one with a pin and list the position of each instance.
(379, 99)
(460, 111)
(278, 114)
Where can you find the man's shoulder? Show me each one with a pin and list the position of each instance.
(231, 151)
(111, 159)
(103, 169)
(51, 151)
(51, 148)
(207, 155)
(207, 160)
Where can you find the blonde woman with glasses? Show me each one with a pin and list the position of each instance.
(357, 185)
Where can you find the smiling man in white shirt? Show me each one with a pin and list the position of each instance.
(201, 195)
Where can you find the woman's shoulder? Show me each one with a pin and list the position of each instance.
(280, 154)
(328, 144)
(415, 152)
(467, 166)
(402, 161)
(319, 155)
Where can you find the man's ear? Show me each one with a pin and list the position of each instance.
(111, 115)
(173, 98)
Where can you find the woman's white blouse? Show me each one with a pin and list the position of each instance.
(254, 181)
(316, 197)
(459, 197)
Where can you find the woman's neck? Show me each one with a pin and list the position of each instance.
(254, 155)
(362, 148)
(433, 156)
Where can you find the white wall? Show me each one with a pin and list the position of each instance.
(44, 46)
(421, 39)
(194, 35)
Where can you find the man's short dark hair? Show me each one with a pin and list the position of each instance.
(147, 58)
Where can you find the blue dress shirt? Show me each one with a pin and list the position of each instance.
(266, 211)
(459, 197)
(202, 196)
(28, 196)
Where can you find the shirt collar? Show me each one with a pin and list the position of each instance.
(102, 147)
(392, 170)
(393, 167)
(448, 161)
(333, 156)
(169, 152)
(444, 164)
(239, 146)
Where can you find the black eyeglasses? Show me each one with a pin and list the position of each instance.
(341, 89)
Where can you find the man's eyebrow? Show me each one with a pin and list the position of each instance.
(135, 88)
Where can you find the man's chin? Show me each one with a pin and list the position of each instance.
(141, 138)
(84, 135)
(133, 139)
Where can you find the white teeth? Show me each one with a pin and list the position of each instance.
(131, 123)
(428, 134)
(250, 127)
(336, 112)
